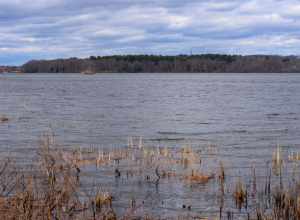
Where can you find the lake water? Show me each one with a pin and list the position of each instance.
(244, 115)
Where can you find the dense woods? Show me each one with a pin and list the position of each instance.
(168, 64)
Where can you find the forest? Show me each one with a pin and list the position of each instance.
(205, 63)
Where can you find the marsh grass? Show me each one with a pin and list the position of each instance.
(240, 194)
(52, 192)
(53, 188)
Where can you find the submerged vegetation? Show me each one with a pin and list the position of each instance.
(52, 187)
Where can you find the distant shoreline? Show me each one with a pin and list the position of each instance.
(205, 63)
(155, 73)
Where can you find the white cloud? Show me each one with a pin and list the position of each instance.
(87, 27)
(20, 49)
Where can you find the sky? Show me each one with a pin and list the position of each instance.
(48, 29)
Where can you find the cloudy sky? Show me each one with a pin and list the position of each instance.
(45, 29)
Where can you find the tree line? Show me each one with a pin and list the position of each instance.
(203, 63)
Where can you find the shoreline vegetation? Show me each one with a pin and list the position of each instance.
(52, 187)
(204, 63)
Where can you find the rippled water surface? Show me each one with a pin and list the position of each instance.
(245, 115)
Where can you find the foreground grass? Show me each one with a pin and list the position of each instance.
(52, 189)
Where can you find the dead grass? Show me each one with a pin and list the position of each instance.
(200, 178)
(240, 194)
(52, 190)
(53, 193)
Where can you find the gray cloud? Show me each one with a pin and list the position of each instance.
(63, 28)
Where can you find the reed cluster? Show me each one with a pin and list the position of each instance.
(52, 187)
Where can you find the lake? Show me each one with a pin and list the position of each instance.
(246, 116)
